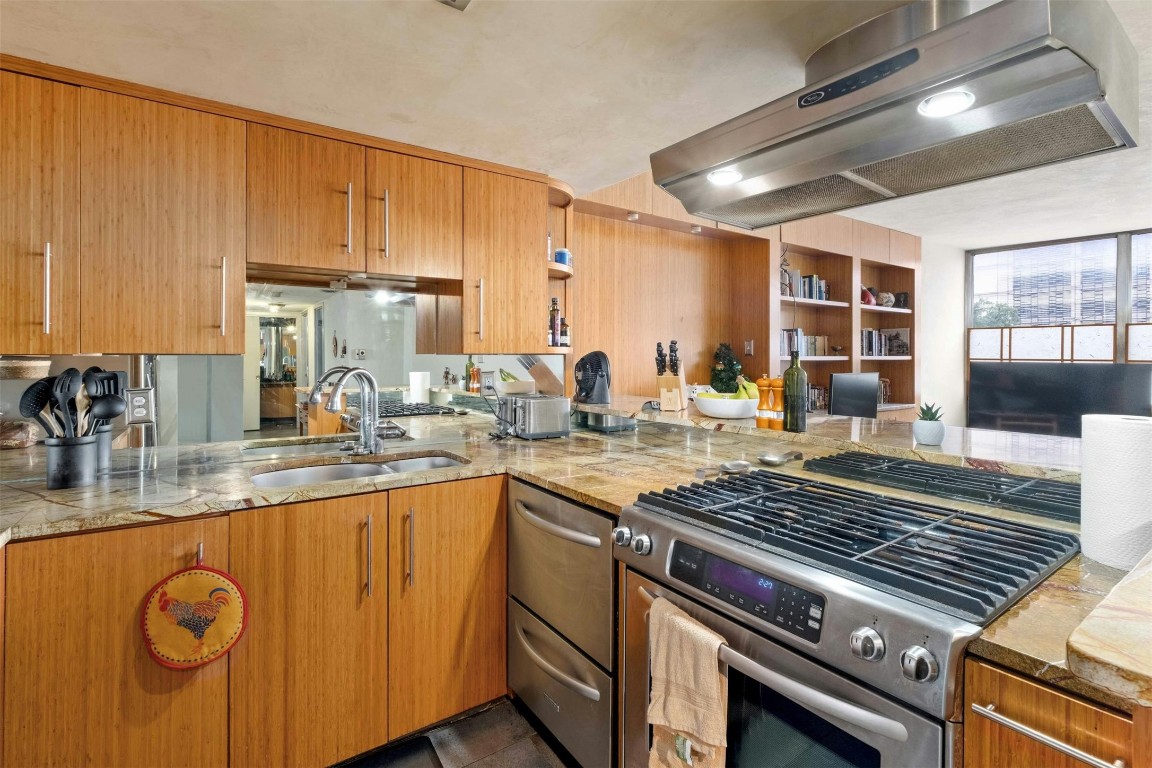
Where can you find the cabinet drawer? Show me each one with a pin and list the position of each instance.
(1079, 724)
(560, 566)
(571, 695)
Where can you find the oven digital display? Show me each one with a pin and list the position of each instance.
(743, 580)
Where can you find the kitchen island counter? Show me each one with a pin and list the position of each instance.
(604, 471)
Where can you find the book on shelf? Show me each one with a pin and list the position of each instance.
(805, 286)
(808, 346)
(885, 342)
(817, 398)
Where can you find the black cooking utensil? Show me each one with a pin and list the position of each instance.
(34, 400)
(92, 382)
(103, 409)
(64, 391)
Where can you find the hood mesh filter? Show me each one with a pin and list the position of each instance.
(1049, 138)
(811, 198)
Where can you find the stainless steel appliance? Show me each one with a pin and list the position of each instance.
(929, 95)
(533, 417)
(846, 612)
(561, 619)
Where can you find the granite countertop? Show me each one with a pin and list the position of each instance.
(603, 471)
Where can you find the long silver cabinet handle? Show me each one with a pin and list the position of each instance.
(387, 225)
(567, 681)
(369, 569)
(223, 295)
(810, 697)
(47, 287)
(481, 309)
(576, 537)
(991, 713)
(411, 547)
(348, 248)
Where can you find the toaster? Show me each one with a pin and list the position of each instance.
(535, 416)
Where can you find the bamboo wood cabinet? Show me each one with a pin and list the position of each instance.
(39, 216)
(146, 200)
(79, 685)
(1077, 723)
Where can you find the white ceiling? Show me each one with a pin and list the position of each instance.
(582, 90)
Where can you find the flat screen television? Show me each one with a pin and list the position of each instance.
(1050, 398)
(853, 394)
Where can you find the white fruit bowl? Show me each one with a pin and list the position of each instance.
(726, 408)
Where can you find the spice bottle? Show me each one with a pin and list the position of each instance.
(565, 334)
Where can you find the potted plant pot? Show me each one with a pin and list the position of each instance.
(928, 429)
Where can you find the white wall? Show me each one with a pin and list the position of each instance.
(941, 334)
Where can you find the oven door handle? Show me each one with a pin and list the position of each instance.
(556, 674)
(576, 537)
(806, 695)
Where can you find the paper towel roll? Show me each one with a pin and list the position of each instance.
(418, 382)
(1116, 489)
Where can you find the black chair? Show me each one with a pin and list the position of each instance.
(853, 394)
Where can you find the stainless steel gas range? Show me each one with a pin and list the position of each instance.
(846, 612)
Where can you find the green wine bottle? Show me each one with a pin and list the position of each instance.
(795, 396)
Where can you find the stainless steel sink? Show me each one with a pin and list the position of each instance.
(324, 473)
(421, 463)
(320, 473)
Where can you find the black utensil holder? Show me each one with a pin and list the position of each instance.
(103, 437)
(72, 461)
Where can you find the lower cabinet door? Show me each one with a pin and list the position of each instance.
(79, 686)
(447, 587)
(308, 680)
(998, 705)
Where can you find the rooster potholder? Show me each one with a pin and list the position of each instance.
(193, 617)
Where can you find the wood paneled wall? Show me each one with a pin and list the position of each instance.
(639, 285)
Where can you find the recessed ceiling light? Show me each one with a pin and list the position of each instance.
(696, 229)
(275, 306)
(633, 216)
(382, 297)
(722, 177)
(946, 104)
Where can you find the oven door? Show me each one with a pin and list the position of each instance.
(783, 709)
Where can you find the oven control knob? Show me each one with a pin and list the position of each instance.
(622, 536)
(641, 544)
(919, 665)
(867, 644)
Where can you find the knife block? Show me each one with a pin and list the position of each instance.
(673, 391)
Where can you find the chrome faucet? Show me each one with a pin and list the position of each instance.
(369, 403)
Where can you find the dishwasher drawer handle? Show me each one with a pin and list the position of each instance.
(991, 713)
(567, 681)
(810, 697)
(576, 537)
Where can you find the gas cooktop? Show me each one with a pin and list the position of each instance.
(1048, 498)
(963, 564)
(388, 409)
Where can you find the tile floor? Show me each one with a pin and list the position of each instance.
(496, 737)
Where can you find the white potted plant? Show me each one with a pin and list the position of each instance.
(928, 429)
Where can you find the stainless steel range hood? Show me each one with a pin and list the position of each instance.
(1050, 80)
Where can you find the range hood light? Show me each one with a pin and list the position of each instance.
(633, 216)
(946, 104)
(722, 177)
(383, 297)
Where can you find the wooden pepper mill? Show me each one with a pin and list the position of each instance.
(776, 421)
(764, 407)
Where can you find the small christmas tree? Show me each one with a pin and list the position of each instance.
(725, 370)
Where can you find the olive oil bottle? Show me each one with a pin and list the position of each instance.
(795, 396)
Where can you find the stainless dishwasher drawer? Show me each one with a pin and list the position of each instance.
(571, 695)
(560, 566)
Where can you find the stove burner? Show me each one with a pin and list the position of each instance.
(393, 408)
(1048, 498)
(967, 565)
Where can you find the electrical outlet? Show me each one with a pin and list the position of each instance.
(361, 354)
(748, 347)
(141, 406)
(487, 381)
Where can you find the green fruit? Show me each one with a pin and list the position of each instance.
(710, 395)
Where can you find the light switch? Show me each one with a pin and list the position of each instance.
(748, 346)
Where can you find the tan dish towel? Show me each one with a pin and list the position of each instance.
(689, 706)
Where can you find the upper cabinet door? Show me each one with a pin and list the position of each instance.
(305, 201)
(39, 216)
(162, 231)
(414, 211)
(505, 301)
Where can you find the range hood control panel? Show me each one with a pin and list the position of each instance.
(858, 80)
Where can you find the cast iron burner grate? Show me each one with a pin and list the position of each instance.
(392, 408)
(966, 565)
(1048, 498)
